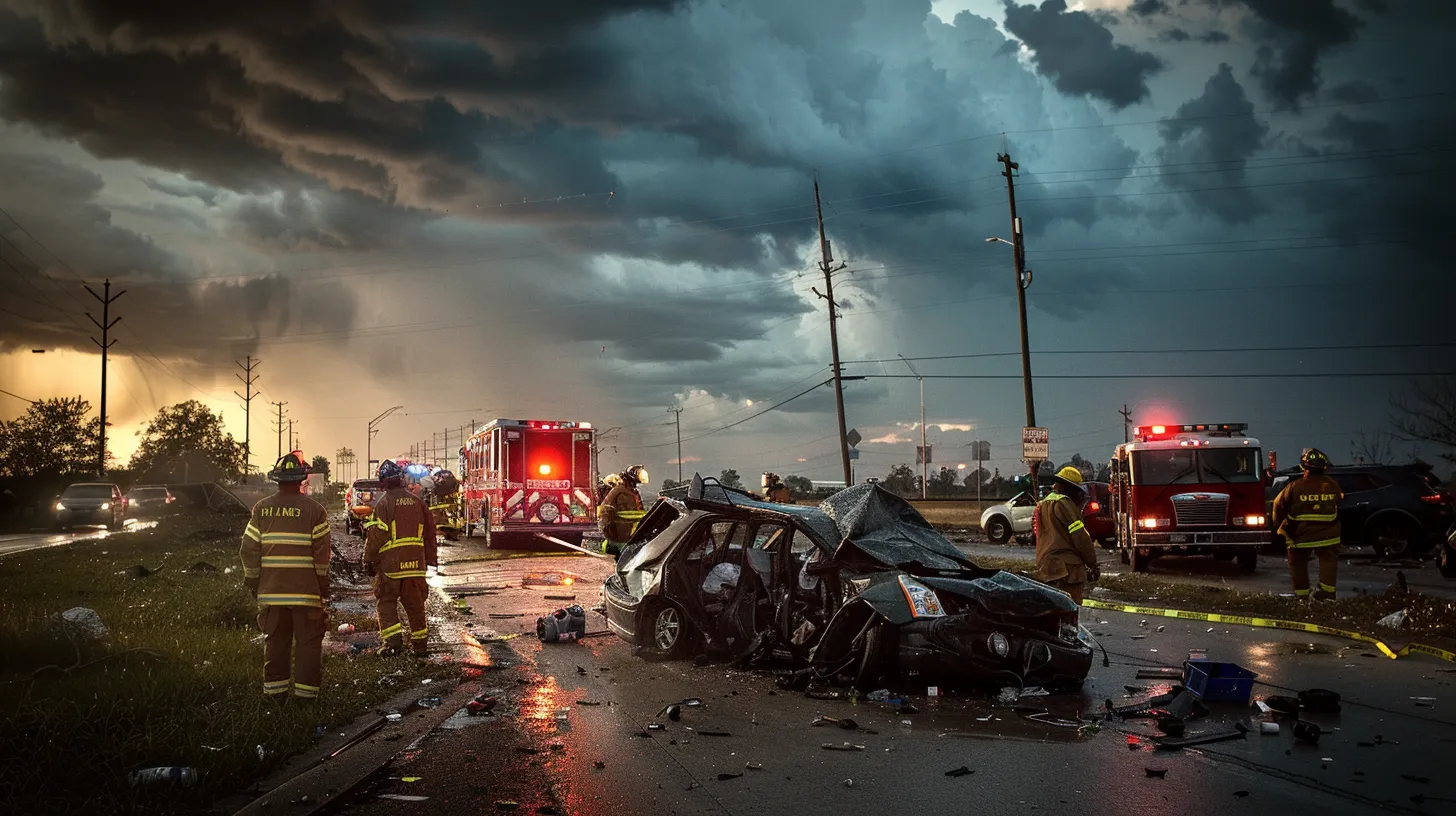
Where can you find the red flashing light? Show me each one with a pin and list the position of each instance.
(1159, 429)
(1094, 507)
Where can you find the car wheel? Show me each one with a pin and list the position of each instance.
(998, 530)
(1395, 537)
(669, 630)
(874, 663)
(1248, 558)
(1139, 559)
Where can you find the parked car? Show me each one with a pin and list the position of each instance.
(1446, 561)
(1002, 522)
(859, 587)
(90, 503)
(1398, 510)
(359, 503)
(149, 500)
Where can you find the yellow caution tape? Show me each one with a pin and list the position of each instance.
(1275, 623)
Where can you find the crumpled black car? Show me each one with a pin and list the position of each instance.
(860, 588)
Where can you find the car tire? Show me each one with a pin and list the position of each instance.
(669, 630)
(1394, 537)
(1139, 559)
(1248, 559)
(998, 530)
(874, 663)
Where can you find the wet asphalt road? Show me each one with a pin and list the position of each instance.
(567, 707)
(1360, 569)
(24, 542)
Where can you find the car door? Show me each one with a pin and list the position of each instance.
(1022, 507)
(1363, 496)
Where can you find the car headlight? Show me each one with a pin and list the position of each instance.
(998, 644)
(60, 507)
(921, 599)
(105, 506)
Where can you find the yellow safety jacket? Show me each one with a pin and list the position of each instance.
(1063, 548)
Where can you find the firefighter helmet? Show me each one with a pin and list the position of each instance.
(289, 469)
(390, 469)
(1314, 459)
(635, 475)
(1070, 474)
(611, 480)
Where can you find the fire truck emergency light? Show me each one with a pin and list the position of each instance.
(544, 470)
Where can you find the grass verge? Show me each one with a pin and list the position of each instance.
(1429, 619)
(178, 683)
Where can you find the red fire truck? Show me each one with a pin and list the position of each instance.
(523, 478)
(1189, 490)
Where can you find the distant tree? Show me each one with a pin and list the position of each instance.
(730, 478)
(943, 482)
(1103, 473)
(320, 464)
(669, 484)
(1426, 412)
(1373, 449)
(54, 436)
(800, 485)
(1083, 464)
(901, 480)
(188, 429)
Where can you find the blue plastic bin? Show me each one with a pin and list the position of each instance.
(1218, 682)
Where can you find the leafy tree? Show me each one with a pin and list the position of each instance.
(320, 464)
(800, 485)
(188, 430)
(669, 484)
(943, 482)
(54, 436)
(730, 478)
(901, 480)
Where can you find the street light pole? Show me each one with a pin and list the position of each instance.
(677, 420)
(369, 441)
(924, 451)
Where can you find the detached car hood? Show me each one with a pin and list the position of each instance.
(883, 526)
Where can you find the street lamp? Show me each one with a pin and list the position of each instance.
(924, 451)
(1023, 280)
(373, 429)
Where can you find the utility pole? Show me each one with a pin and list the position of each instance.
(291, 446)
(1023, 280)
(826, 257)
(280, 426)
(372, 429)
(248, 378)
(104, 324)
(1126, 422)
(677, 420)
(924, 451)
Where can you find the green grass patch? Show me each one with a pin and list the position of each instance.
(1429, 619)
(178, 683)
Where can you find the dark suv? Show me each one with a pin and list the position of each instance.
(1399, 510)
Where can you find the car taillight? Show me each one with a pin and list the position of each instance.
(1094, 507)
(1439, 497)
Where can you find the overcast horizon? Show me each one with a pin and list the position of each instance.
(1232, 208)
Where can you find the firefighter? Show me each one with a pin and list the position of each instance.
(775, 490)
(1307, 514)
(1065, 557)
(285, 553)
(399, 546)
(605, 486)
(621, 510)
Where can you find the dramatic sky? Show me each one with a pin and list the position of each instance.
(601, 210)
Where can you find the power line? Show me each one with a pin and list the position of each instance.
(739, 422)
(17, 396)
(1205, 350)
(1271, 376)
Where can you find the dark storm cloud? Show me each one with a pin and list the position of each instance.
(1147, 8)
(1294, 37)
(164, 313)
(1077, 53)
(1214, 134)
(183, 189)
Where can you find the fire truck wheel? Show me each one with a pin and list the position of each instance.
(1223, 554)
(1109, 543)
(1140, 560)
(1248, 559)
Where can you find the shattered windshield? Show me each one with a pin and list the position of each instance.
(885, 527)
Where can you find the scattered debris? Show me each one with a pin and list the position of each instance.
(1306, 731)
(714, 734)
(559, 597)
(753, 766)
(1270, 728)
(1156, 773)
(724, 777)
(849, 783)
(401, 797)
(184, 777)
(1033, 691)
(599, 765)
(428, 702)
(1160, 673)
(83, 622)
(201, 566)
(1237, 732)
(957, 773)
(501, 616)
(1394, 620)
(1320, 701)
(673, 712)
(843, 746)
(506, 804)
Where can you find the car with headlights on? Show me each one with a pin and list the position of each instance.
(860, 588)
(153, 500)
(90, 503)
(1012, 518)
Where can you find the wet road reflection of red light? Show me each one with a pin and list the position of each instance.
(541, 702)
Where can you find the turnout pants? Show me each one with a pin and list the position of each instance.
(1329, 565)
(295, 632)
(390, 593)
(1074, 583)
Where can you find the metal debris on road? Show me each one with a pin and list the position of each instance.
(1156, 773)
(401, 797)
(843, 746)
(753, 766)
(1237, 732)
(714, 734)
(599, 765)
(724, 777)
(957, 773)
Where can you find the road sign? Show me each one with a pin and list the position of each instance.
(853, 437)
(1034, 444)
(922, 455)
(981, 450)
(853, 454)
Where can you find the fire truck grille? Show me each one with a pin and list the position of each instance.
(1210, 512)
